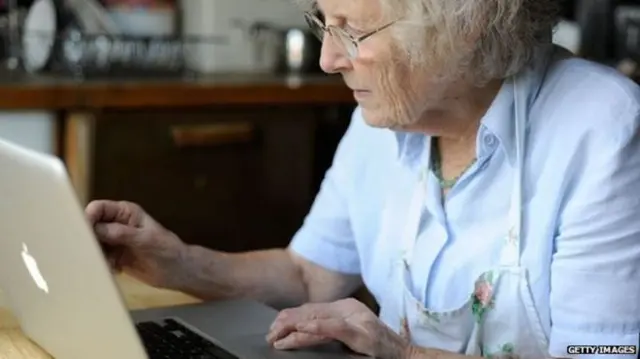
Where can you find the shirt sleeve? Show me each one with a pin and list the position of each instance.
(595, 270)
(326, 237)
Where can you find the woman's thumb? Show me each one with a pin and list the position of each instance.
(115, 234)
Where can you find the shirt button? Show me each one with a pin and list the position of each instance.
(489, 140)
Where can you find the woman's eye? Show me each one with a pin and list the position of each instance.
(353, 30)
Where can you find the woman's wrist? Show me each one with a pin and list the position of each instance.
(399, 348)
(408, 352)
(414, 352)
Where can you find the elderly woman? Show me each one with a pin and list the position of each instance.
(487, 193)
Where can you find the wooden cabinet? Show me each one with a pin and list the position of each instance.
(229, 178)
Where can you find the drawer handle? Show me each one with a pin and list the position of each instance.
(212, 134)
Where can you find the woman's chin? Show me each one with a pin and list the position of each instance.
(377, 119)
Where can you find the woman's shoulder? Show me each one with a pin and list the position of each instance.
(585, 102)
(584, 86)
(583, 131)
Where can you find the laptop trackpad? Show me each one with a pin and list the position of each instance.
(256, 346)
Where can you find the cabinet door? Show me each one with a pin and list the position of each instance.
(231, 179)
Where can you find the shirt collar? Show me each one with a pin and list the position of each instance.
(499, 121)
(412, 148)
(501, 116)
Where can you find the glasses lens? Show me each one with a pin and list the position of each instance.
(345, 42)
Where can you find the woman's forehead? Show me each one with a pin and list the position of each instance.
(350, 9)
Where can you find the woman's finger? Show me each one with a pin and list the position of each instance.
(297, 340)
(333, 328)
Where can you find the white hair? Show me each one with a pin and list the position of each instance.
(480, 40)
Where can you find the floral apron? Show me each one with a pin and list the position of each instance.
(499, 320)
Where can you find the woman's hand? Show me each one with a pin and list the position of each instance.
(134, 242)
(348, 321)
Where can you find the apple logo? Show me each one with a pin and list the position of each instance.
(33, 269)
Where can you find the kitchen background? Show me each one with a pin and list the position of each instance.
(212, 22)
(611, 28)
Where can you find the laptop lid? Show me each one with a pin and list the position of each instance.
(52, 269)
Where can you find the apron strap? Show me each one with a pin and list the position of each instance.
(414, 215)
(510, 256)
(416, 208)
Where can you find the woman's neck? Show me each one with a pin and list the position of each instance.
(459, 117)
(455, 128)
(458, 112)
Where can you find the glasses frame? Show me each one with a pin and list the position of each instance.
(335, 31)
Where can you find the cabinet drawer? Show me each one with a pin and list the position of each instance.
(232, 179)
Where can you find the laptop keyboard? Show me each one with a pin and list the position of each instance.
(172, 340)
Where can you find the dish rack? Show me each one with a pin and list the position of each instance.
(79, 54)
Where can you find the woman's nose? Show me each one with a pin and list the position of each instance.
(332, 59)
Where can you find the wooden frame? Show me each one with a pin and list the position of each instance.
(78, 145)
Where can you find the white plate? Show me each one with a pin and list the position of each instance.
(39, 35)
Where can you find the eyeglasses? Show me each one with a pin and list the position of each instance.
(347, 42)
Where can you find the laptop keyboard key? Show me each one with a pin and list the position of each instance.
(172, 340)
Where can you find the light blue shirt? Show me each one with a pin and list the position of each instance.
(581, 211)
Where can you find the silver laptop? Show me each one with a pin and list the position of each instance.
(61, 290)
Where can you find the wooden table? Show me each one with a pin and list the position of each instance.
(15, 345)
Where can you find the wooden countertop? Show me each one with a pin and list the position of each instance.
(14, 344)
(24, 92)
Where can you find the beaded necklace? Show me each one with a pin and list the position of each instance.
(445, 183)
